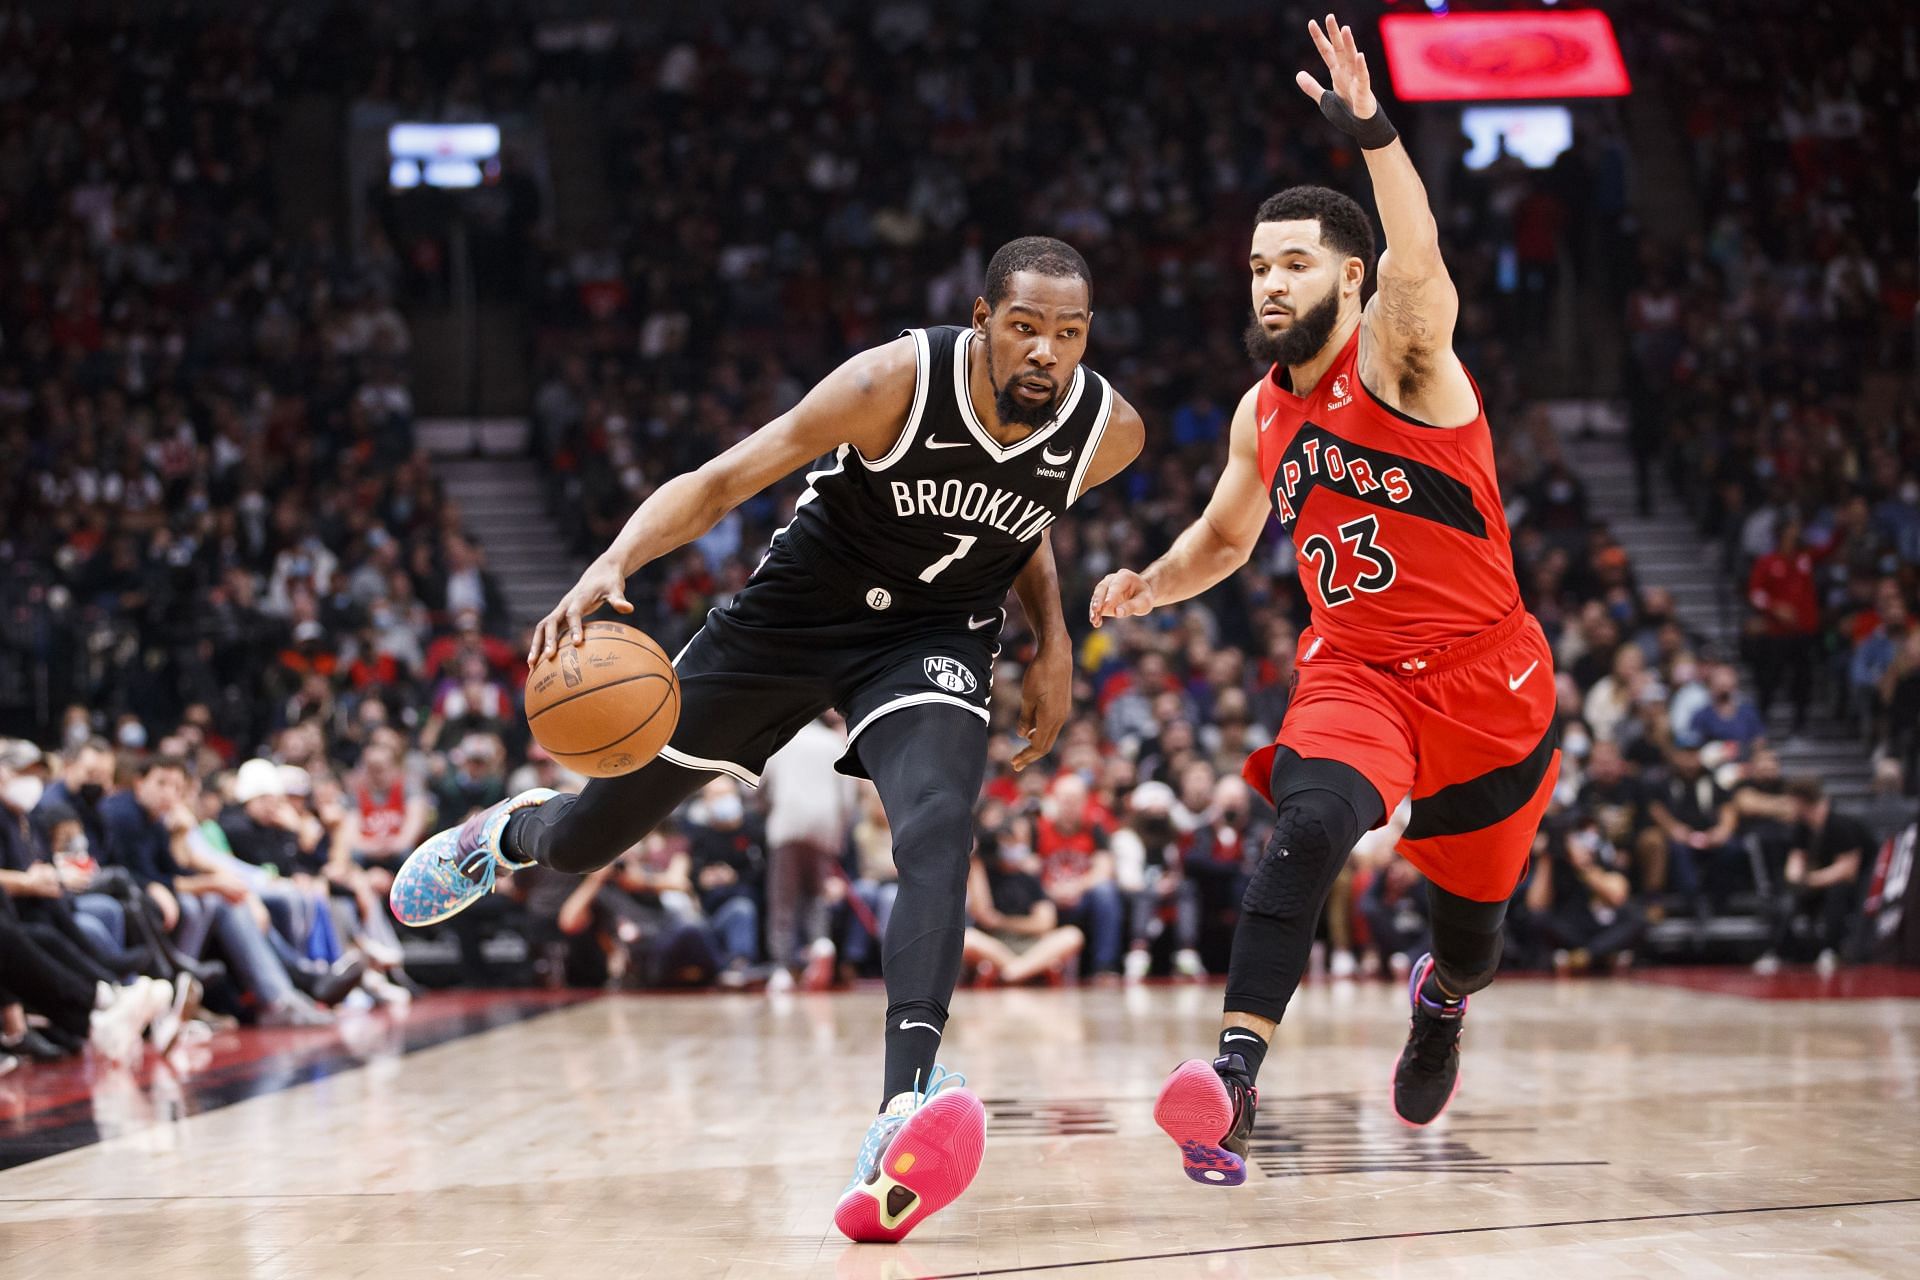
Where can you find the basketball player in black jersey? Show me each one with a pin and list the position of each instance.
(945, 454)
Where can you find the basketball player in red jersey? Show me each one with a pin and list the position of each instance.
(1421, 673)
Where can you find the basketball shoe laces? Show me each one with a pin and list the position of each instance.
(880, 1133)
(470, 855)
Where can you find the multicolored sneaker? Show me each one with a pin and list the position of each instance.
(919, 1155)
(455, 868)
(1207, 1109)
(1428, 1072)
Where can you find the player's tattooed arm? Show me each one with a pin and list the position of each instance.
(1406, 351)
(863, 403)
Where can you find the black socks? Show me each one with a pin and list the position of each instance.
(913, 1042)
(1250, 1047)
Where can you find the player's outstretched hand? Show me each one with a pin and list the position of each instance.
(1346, 67)
(1046, 695)
(602, 583)
(1121, 594)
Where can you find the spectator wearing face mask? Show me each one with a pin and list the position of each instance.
(472, 777)
(1147, 852)
(87, 931)
(1817, 904)
(1016, 934)
(1077, 870)
(147, 833)
(1395, 908)
(729, 851)
(1221, 855)
(1727, 717)
(1580, 900)
(86, 774)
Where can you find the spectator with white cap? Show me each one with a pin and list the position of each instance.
(148, 828)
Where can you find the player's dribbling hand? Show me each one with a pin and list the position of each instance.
(602, 583)
(1121, 594)
(1346, 67)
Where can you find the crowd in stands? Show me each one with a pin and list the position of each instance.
(260, 655)
(1771, 379)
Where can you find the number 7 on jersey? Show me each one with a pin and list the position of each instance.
(934, 570)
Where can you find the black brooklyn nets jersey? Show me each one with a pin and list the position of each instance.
(945, 520)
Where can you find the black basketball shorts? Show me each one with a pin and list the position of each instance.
(790, 646)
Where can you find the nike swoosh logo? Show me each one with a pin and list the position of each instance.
(1514, 682)
(1232, 1037)
(992, 619)
(1060, 461)
(908, 1026)
(946, 444)
(1268, 420)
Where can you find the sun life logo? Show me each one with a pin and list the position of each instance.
(1339, 395)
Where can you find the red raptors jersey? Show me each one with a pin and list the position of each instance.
(381, 817)
(1402, 539)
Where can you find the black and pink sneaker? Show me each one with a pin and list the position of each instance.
(1428, 1072)
(1207, 1109)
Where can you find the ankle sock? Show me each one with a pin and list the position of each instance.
(1249, 1045)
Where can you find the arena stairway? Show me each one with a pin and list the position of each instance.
(1667, 551)
(483, 465)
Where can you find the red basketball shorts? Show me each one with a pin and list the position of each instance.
(1469, 731)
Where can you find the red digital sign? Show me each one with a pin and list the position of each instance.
(1470, 57)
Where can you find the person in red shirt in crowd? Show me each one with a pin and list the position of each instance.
(1076, 869)
(467, 637)
(1785, 626)
(390, 813)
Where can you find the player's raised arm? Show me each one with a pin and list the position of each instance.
(1208, 549)
(862, 403)
(1406, 354)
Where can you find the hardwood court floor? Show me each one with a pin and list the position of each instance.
(1602, 1129)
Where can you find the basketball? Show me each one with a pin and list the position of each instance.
(607, 705)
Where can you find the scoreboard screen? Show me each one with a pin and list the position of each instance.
(1469, 57)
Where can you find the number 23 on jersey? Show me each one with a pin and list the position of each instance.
(1358, 564)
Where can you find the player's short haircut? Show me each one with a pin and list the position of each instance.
(1042, 255)
(1344, 225)
(155, 764)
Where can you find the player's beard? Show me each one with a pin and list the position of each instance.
(1299, 342)
(1013, 410)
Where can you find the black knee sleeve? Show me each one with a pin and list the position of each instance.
(1468, 937)
(1310, 841)
(1312, 837)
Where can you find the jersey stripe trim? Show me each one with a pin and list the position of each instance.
(727, 767)
(1092, 445)
(995, 450)
(911, 700)
(922, 374)
(813, 491)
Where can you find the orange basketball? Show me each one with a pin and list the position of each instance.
(607, 705)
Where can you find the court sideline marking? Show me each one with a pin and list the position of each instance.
(1418, 1235)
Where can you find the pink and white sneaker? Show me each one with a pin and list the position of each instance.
(919, 1155)
(1207, 1109)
